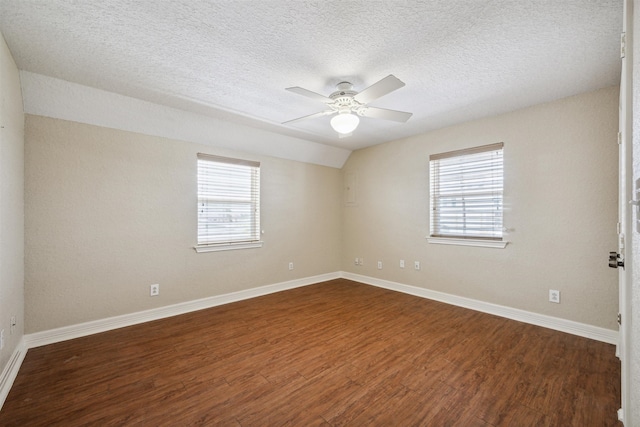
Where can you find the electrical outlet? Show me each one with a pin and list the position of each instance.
(1, 339)
(416, 265)
(554, 296)
(379, 265)
(290, 266)
(154, 290)
(357, 261)
(401, 263)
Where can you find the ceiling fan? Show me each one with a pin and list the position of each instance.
(349, 104)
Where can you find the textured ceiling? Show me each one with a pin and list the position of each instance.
(460, 59)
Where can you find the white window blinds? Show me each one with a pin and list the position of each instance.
(228, 201)
(466, 193)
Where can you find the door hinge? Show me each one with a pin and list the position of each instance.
(619, 138)
(619, 319)
(623, 45)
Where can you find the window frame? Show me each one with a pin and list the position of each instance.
(211, 195)
(496, 189)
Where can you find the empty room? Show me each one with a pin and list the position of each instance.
(266, 213)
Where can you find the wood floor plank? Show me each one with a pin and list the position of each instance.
(331, 354)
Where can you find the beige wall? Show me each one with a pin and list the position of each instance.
(110, 212)
(11, 204)
(560, 211)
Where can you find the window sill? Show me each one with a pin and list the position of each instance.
(500, 244)
(227, 247)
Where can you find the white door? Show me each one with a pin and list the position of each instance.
(624, 212)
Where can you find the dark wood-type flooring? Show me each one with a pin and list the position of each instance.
(335, 353)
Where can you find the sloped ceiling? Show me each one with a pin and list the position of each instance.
(232, 60)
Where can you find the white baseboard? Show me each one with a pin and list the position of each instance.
(10, 371)
(575, 328)
(83, 329)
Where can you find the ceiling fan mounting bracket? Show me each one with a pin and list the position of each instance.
(344, 91)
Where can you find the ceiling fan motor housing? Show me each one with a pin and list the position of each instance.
(343, 101)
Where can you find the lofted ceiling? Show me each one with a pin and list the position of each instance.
(460, 59)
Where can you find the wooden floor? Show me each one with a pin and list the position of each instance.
(331, 354)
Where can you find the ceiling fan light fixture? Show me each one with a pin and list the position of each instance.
(345, 122)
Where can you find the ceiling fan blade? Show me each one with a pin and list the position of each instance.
(310, 94)
(310, 116)
(381, 88)
(382, 113)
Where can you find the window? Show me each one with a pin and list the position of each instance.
(466, 196)
(228, 203)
